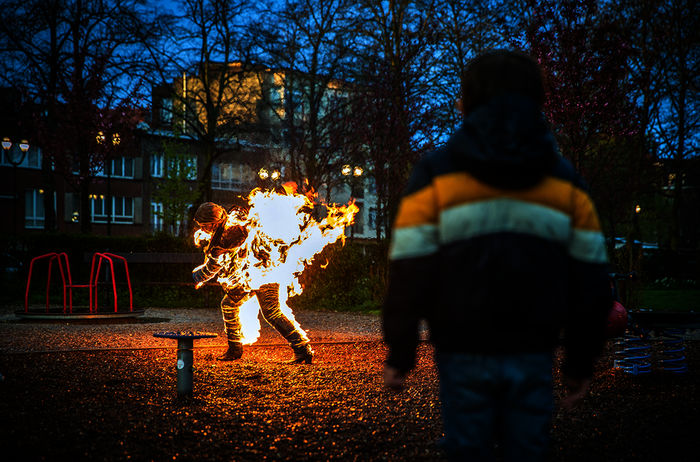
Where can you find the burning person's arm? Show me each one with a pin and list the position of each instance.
(206, 271)
(221, 237)
(218, 257)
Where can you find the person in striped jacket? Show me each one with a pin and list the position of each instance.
(498, 246)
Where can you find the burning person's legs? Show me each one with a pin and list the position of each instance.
(268, 297)
(230, 311)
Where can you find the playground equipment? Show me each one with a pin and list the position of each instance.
(652, 340)
(68, 285)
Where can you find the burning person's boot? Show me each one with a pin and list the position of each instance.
(234, 352)
(302, 354)
(302, 350)
(269, 304)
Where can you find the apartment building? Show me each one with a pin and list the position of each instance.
(247, 147)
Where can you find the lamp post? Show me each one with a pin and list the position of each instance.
(353, 175)
(15, 160)
(274, 175)
(116, 139)
(102, 140)
(356, 172)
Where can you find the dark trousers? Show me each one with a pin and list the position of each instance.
(496, 404)
(268, 298)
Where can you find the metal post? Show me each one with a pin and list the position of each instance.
(16, 199)
(108, 203)
(184, 367)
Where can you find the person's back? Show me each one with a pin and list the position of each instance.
(498, 229)
(507, 207)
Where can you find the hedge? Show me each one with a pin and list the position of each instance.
(349, 277)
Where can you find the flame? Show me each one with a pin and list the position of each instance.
(200, 236)
(283, 238)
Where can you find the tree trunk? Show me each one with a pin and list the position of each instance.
(49, 183)
(84, 191)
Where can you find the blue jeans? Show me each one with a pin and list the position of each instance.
(496, 404)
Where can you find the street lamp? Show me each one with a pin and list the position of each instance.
(274, 174)
(10, 156)
(102, 140)
(15, 161)
(355, 171)
(353, 175)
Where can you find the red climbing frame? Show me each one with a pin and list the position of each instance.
(67, 281)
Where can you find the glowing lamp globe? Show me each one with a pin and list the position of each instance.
(617, 320)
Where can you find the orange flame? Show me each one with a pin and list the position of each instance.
(283, 237)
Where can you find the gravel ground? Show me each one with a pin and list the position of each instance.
(137, 332)
(105, 390)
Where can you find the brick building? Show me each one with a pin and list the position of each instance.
(123, 199)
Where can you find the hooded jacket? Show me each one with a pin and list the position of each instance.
(498, 246)
(225, 239)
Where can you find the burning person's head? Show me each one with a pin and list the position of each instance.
(210, 215)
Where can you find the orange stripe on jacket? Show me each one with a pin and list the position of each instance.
(461, 188)
(417, 208)
(585, 216)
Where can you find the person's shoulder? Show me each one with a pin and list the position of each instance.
(565, 170)
(425, 169)
(233, 236)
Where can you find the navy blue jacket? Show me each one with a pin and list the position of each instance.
(498, 246)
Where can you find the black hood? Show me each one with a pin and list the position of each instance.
(506, 143)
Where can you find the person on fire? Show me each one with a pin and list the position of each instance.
(211, 218)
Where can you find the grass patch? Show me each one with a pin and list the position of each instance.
(670, 299)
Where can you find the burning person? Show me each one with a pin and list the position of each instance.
(228, 253)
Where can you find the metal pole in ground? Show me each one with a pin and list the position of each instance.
(184, 367)
(185, 344)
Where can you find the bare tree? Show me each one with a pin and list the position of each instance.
(305, 42)
(466, 29)
(77, 60)
(216, 90)
(677, 121)
(175, 192)
(393, 107)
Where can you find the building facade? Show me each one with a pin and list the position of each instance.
(128, 195)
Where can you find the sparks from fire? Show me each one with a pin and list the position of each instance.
(283, 237)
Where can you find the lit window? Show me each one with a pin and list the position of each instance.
(34, 209)
(166, 110)
(123, 167)
(122, 209)
(157, 216)
(226, 176)
(157, 165)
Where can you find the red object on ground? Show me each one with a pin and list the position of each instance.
(67, 280)
(617, 320)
